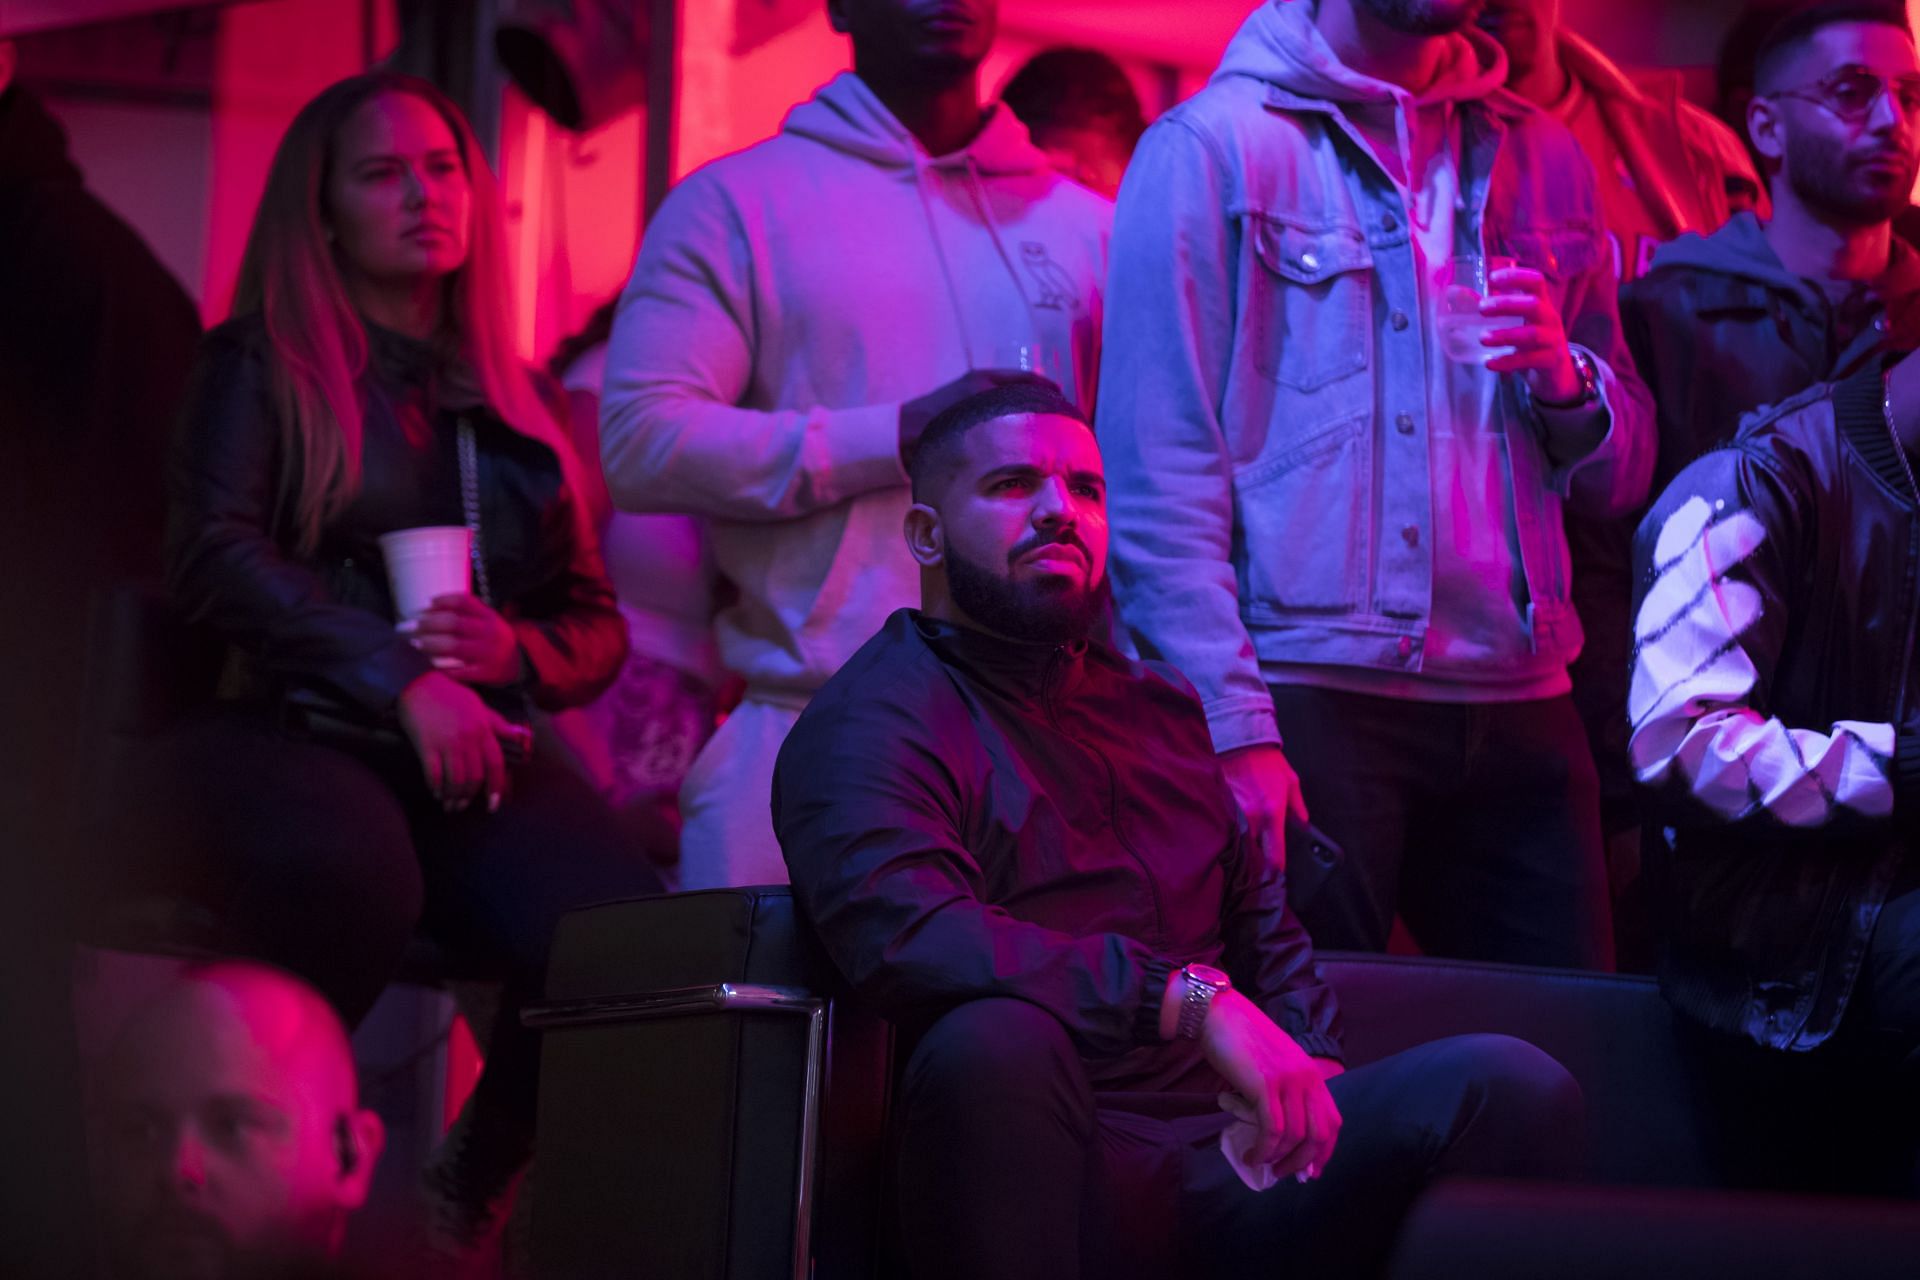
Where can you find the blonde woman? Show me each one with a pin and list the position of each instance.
(357, 783)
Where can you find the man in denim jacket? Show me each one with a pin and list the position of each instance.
(1342, 526)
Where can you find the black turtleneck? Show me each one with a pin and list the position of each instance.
(966, 817)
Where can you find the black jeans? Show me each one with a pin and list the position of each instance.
(1013, 1165)
(1843, 1117)
(1477, 823)
(325, 863)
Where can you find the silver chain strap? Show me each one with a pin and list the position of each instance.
(470, 503)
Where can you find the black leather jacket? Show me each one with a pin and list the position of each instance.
(326, 620)
(1718, 329)
(966, 817)
(1774, 707)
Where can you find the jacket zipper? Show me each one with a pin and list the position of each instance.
(1054, 663)
(1913, 490)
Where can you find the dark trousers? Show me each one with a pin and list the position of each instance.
(1014, 1164)
(1843, 1117)
(326, 862)
(1477, 823)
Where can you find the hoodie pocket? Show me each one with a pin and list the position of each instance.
(1301, 526)
(1309, 302)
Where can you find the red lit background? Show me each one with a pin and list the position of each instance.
(174, 111)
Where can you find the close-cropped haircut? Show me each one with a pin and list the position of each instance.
(1800, 22)
(939, 445)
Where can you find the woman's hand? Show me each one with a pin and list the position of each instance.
(469, 641)
(457, 737)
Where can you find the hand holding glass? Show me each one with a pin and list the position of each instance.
(1463, 288)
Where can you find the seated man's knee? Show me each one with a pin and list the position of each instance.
(989, 1052)
(1528, 1078)
(1526, 1100)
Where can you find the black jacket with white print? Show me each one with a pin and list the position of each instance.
(1773, 707)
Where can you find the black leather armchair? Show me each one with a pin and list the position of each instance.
(712, 1109)
(709, 1109)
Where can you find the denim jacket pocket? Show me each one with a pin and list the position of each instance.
(1300, 524)
(1309, 303)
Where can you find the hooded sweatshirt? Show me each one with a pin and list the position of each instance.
(787, 300)
(1478, 645)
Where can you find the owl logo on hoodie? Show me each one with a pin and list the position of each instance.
(1054, 288)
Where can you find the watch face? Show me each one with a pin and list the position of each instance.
(1211, 976)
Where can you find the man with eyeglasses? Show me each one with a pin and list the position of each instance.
(1761, 310)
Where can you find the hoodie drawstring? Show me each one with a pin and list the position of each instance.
(1000, 244)
(946, 268)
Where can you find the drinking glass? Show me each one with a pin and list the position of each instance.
(1463, 287)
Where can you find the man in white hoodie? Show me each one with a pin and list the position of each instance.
(1336, 495)
(798, 313)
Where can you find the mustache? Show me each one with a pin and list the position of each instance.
(1064, 538)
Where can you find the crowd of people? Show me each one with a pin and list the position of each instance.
(1505, 470)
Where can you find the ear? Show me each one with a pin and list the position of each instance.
(1766, 127)
(364, 1138)
(926, 539)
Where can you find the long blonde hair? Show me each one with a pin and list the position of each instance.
(318, 341)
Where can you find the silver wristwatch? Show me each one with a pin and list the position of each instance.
(1203, 983)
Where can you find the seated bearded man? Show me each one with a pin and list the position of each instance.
(1018, 845)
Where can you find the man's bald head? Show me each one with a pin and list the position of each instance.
(257, 1010)
(234, 1134)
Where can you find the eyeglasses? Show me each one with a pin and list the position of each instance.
(1852, 92)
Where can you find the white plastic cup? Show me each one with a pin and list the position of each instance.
(424, 564)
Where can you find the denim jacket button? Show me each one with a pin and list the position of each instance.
(1412, 535)
(1406, 647)
(1399, 320)
(1389, 223)
(1403, 423)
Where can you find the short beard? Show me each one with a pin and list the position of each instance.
(1417, 17)
(1821, 176)
(1038, 612)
